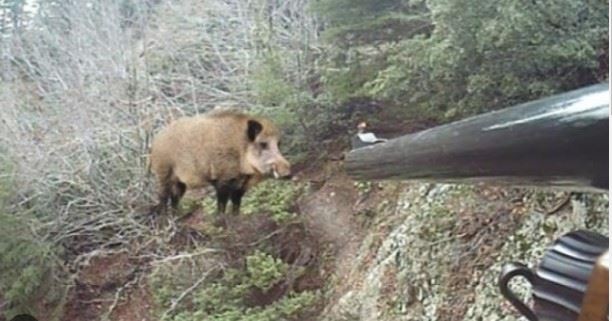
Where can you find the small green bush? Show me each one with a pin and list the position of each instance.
(27, 261)
(226, 296)
(231, 291)
(264, 270)
(274, 198)
(26, 264)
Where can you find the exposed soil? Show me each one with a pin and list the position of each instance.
(106, 281)
(335, 221)
(328, 213)
(340, 215)
(137, 307)
(330, 225)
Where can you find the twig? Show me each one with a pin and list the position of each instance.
(185, 256)
(178, 300)
(117, 298)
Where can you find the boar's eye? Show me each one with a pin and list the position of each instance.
(263, 145)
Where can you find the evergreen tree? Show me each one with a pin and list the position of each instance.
(471, 56)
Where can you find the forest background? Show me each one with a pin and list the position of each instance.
(84, 85)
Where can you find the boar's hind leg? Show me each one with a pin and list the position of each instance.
(165, 191)
(238, 189)
(178, 190)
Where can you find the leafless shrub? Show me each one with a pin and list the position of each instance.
(86, 84)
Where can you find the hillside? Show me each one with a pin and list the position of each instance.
(84, 88)
(366, 251)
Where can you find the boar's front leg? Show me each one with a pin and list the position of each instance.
(223, 194)
(239, 188)
(236, 200)
(164, 194)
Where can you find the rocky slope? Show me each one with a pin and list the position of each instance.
(434, 252)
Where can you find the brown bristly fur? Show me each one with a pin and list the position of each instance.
(196, 151)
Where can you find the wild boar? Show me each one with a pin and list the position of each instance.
(229, 150)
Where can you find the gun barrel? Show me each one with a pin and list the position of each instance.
(559, 141)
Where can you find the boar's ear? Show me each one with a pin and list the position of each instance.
(254, 128)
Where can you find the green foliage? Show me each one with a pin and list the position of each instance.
(264, 270)
(274, 198)
(228, 296)
(363, 37)
(270, 83)
(236, 292)
(24, 261)
(27, 262)
(363, 187)
(286, 89)
(352, 69)
(479, 56)
(368, 22)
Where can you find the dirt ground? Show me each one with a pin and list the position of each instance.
(114, 283)
(334, 211)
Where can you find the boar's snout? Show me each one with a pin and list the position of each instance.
(281, 169)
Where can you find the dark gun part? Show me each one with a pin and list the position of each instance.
(559, 141)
